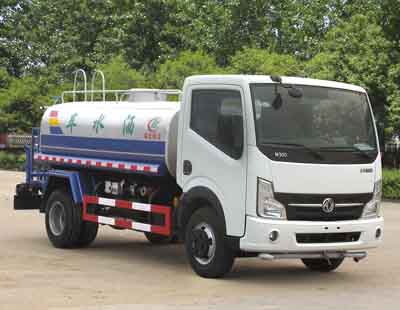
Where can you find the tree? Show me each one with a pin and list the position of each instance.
(322, 66)
(356, 52)
(4, 79)
(353, 41)
(119, 75)
(65, 34)
(394, 99)
(221, 28)
(172, 73)
(257, 61)
(21, 105)
(150, 33)
(389, 19)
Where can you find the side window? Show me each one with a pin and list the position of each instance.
(216, 115)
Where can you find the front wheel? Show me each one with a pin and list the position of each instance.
(206, 249)
(321, 264)
(160, 239)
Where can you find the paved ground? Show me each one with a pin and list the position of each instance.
(122, 271)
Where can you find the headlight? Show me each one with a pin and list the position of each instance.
(267, 206)
(373, 208)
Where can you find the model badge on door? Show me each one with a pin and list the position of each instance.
(281, 154)
(366, 170)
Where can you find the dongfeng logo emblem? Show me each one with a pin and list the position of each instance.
(328, 205)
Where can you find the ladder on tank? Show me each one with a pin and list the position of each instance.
(130, 95)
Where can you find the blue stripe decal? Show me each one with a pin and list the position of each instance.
(56, 130)
(104, 144)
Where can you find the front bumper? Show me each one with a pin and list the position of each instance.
(256, 238)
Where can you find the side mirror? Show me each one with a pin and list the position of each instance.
(295, 92)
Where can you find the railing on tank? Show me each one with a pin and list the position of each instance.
(130, 95)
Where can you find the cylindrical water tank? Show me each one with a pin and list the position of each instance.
(128, 131)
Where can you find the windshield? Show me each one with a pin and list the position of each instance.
(322, 120)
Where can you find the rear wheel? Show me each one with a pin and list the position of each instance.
(88, 233)
(161, 197)
(206, 249)
(321, 264)
(63, 220)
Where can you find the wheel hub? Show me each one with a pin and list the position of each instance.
(203, 243)
(57, 218)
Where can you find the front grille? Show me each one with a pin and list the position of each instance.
(295, 212)
(316, 214)
(328, 238)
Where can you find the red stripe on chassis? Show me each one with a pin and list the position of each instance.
(123, 204)
(127, 223)
(166, 211)
(123, 223)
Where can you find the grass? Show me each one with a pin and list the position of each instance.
(12, 160)
(391, 184)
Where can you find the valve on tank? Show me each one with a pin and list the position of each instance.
(143, 191)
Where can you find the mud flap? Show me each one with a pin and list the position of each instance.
(27, 198)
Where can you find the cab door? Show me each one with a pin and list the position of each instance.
(213, 148)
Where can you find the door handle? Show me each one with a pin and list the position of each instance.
(187, 167)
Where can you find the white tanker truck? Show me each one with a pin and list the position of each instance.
(241, 166)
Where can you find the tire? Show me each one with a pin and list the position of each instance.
(161, 197)
(63, 220)
(206, 249)
(321, 264)
(88, 234)
(160, 239)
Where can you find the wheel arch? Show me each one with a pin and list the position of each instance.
(196, 198)
(68, 180)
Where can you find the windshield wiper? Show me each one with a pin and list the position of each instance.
(354, 148)
(312, 151)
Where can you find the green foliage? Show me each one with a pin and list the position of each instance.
(390, 21)
(143, 43)
(150, 32)
(12, 160)
(21, 104)
(120, 76)
(391, 184)
(65, 34)
(4, 79)
(322, 66)
(223, 27)
(356, 52)
(257, 61)
(393, 89)
(172, 73)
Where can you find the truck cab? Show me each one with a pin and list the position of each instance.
(293, 163)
